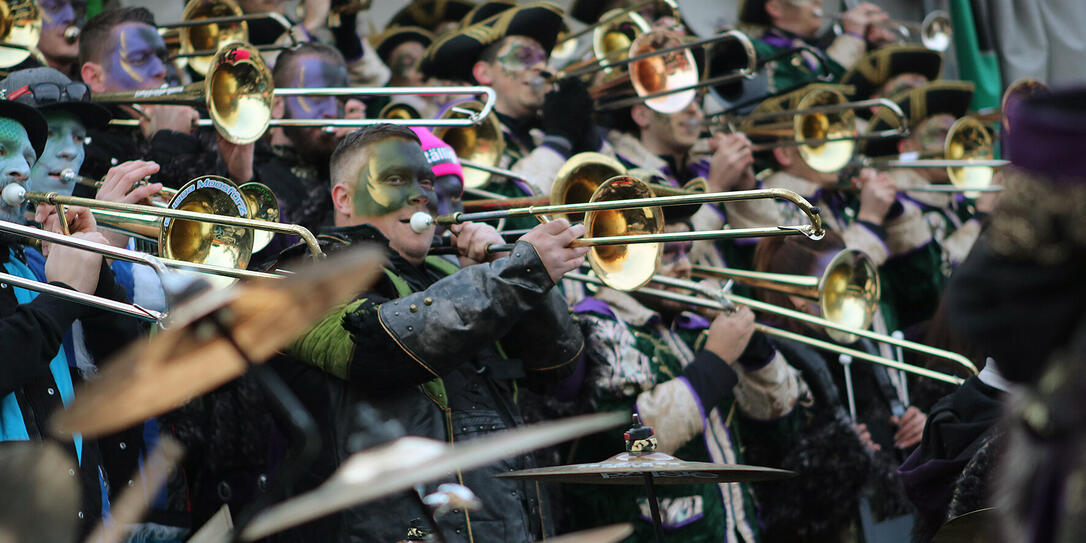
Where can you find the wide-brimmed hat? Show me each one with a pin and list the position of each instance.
(425, 13)
(885, 63)
(486, 10)
(453, 56)
(392, 38)
(949, 97)
(90, 114)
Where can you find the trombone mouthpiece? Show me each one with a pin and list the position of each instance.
(69, 176)
(72, 33)
(13, 194)
(419, 221)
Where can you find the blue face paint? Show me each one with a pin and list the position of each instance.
(16, 157)
(138, 59)
(63, 151)
(312, 71)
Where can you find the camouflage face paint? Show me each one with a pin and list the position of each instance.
(139, 59)
(63, 150)
(394, 174)
(16, 157)
(521, 54)
(313, 71)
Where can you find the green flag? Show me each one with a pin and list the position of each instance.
(977, 59)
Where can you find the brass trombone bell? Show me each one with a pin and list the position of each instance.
(848, 292)
(261, 202)
(399, 110)
(481, 144)
(1017, 91)
(237, 92)
(20, 29)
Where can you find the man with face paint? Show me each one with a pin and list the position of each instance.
(792, 23)
(867, 213)
(685, 374)
(440, 349)
(121, 50)
(37, 376)
(955, 219)
(509, 51)
(58, 50)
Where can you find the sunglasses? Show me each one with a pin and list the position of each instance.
(52, 93)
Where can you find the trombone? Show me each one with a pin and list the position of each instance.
(184, 232)
(207, 25)
(131, 310)
(822, 127)
(623, 211)
(261, 202)
(237, 92)
(967, 156)
(934, 32)
(20, 28)
(469, 118)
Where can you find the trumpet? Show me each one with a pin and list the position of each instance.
(623, 211)
(262, 203)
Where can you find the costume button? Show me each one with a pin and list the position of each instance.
(122, 445)
(428, 301)
(50, 391)
(80, 514)
(71, 472)
(414, 308)
(410, 328)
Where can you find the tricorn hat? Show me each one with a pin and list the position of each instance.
(454, 56)
(950, 97)
(883, 64)
(394, 36)
(429, 14)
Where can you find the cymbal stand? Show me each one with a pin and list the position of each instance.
(298, 424)
(640, 439)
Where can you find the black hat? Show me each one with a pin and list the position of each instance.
(425, 13)
(753, 12)
(90, 114)
(485, 11)
(454, 56)
(951, 97)
(393, 37)
(885, 63)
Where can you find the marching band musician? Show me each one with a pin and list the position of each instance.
(792, 23)
(663, 144)
(38, 376)
(893, 69)
(438, 348)
(706, 384)
(838, 469)
(121, 50)
(890, 230)
(508, 51)
(955, 220)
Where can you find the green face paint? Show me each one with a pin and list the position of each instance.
(394, 175)
(16, 158)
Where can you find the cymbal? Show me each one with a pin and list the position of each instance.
(972, 527)
(631, 468)
(606, 534)
(411, 460)
(190, 358)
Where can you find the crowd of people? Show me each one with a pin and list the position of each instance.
(469, 342)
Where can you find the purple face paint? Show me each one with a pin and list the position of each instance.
(311, 72)
(138, 60)
(57, 14)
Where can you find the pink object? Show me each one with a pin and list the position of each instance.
(442, 158)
